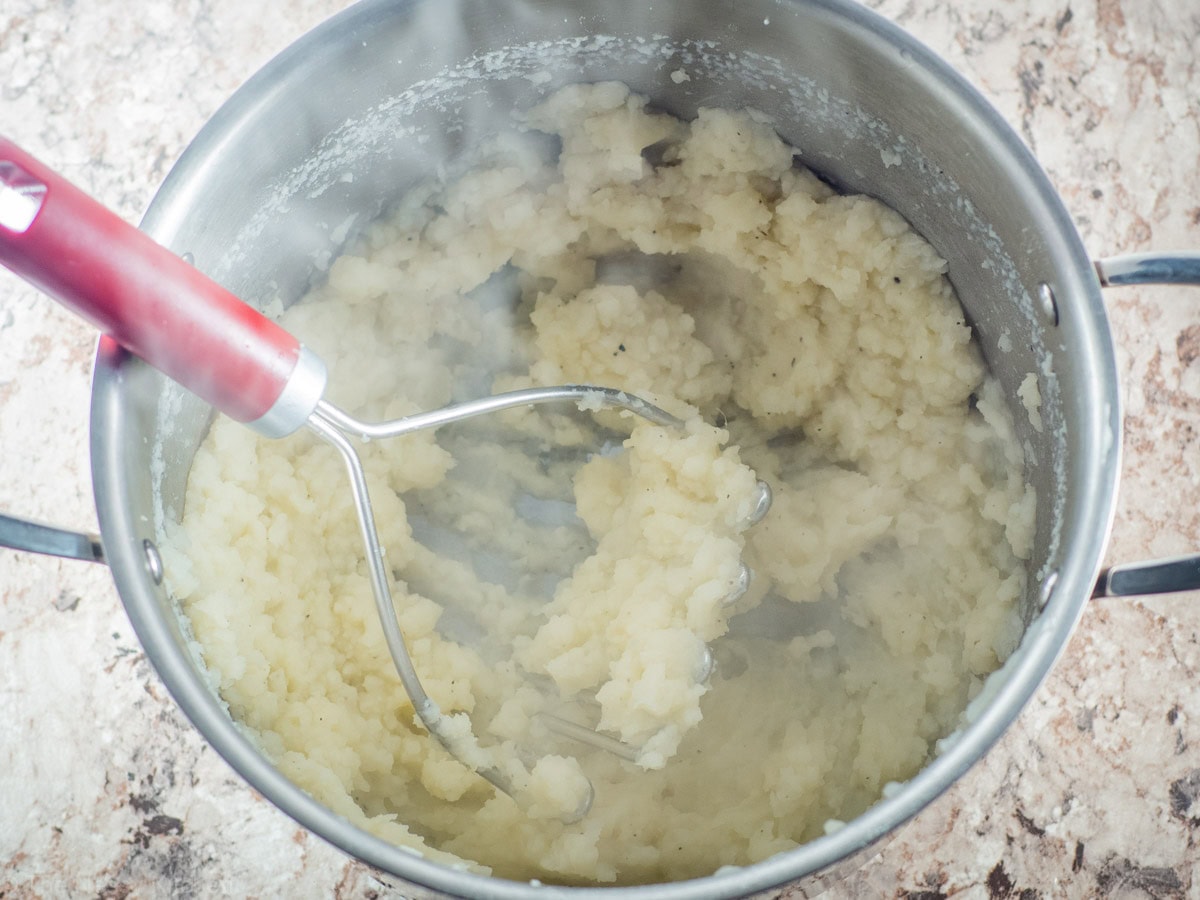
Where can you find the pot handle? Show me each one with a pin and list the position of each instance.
(1149, 268)
(1160, 576)
(23, 534)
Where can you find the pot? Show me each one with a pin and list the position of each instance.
(388, 92)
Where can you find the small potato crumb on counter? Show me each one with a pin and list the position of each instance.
(582, 565)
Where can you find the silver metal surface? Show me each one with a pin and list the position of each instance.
(21, 197)
(762, 505)
(584, 735)
(154, 563)
(1049, 304)
(36, 537)
(1149, 268)
(428, 712)
(255, 195)
(589, 396)
(1047, 589)
(1160, 576)
(300, 397)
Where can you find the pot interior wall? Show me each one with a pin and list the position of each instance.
(387, 95)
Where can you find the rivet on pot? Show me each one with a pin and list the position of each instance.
(188, 258)
(1048, 588)
(1047, 303)
(153, 561)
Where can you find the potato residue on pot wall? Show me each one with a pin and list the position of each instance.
(694, 264)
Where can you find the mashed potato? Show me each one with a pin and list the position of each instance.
(810, 339)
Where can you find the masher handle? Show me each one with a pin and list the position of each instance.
(151, 301)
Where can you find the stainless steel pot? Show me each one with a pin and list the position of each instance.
(389, 92)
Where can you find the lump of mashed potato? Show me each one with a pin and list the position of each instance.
(552, 566)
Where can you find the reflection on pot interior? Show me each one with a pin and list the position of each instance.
(811, 339)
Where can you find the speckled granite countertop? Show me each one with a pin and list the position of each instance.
(105, 790)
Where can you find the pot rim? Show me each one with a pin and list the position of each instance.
(112, 414)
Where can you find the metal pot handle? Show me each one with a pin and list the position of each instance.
(1149, 268)
(1160, 576)
(23, 534)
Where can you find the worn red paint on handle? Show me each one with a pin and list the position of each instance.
(147, 298)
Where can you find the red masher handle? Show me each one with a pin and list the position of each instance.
(148, 299)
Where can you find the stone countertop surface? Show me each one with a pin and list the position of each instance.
(106, 790)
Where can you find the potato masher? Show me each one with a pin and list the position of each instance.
(165, 311)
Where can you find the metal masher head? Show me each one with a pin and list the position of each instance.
(338, 428)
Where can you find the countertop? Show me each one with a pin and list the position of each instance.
(105, 789)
